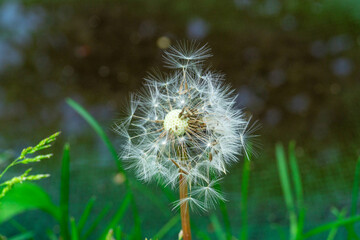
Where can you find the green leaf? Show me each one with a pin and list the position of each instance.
(118, 215)
(64, 192)
(167, 227)
(24, 197)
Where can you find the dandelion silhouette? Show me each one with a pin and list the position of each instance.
(183, 129)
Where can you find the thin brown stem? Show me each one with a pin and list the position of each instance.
(184, 208)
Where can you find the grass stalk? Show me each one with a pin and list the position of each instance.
(220, 234)
(101, 133)
(354, 199)
(331, 225)
(355, 193)
(166, 228)
(118, 215)
(84, 217)
(96, 222)
(244, 198)
(295, 173)
(74, 230)
(64, 193)
(286, 187)
(334, 230)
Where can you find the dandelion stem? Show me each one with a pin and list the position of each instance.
(184, 207)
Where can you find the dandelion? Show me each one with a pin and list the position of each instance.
(184, 130)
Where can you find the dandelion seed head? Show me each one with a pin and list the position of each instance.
(185, 123)
(174, 123)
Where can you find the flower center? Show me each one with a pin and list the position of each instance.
(176, 124)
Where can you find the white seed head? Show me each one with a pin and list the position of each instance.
(174, 123)
(184, 123)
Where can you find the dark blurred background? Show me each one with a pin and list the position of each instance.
(294, 65)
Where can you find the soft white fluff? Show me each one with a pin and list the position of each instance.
(153, 152)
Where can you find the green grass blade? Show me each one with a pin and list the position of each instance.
(95, 125)
(355, 193)
(18, 226)
(286, 187)
(354, 199)
(200, 234)
(220, 234)
(225, 215)
(149, 195)
(85, 214)
(331, 225)
(298, 189)
(136, 233)
(333, 231)
(281, 232)
(226, 219)
(74, 230)
(244, 199)
(118, 233)
(51, 235)
(166, 228)
(118, 215)
(64, 192)
(332, 234)
(96, 222)
(101, 133)
(22, 236)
